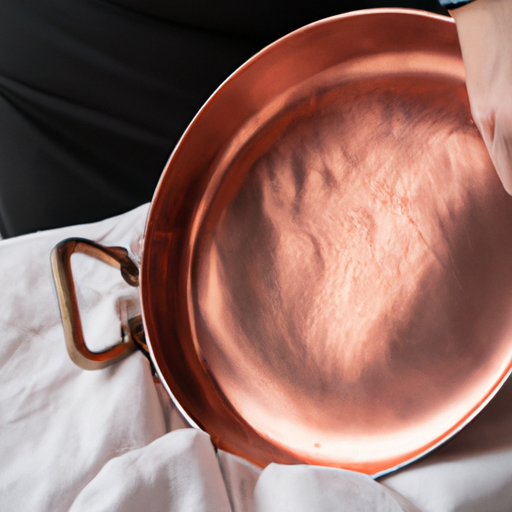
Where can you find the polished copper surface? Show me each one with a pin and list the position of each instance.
(326, 274)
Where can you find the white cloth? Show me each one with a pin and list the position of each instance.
(111, 440)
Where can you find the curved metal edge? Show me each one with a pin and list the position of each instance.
(360, 12)
(442, 441)
(162, 380)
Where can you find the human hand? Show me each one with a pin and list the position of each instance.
(485, 34)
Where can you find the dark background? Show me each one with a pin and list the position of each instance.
(94, 94)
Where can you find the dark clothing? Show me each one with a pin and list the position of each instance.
(94, 94)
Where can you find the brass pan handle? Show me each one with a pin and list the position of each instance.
(117, 257)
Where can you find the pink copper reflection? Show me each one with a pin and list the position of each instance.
(349, 275)
(337, 274)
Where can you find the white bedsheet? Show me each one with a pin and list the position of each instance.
(111, 440)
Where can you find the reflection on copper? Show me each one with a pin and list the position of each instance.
(329, 280)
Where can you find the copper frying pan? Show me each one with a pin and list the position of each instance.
(326, 275)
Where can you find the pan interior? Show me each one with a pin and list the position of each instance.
(350, 274)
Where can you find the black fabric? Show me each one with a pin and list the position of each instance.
(94, 94)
